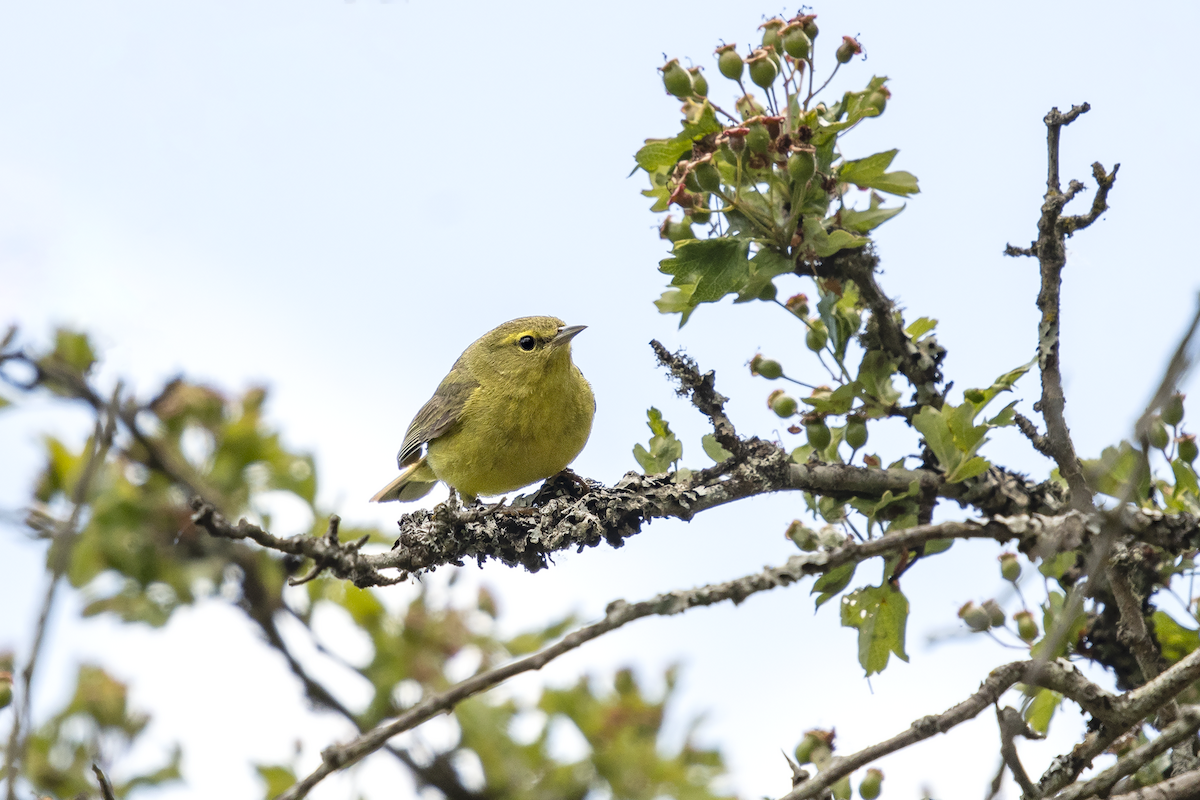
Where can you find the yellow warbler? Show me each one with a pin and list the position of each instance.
(513, 410)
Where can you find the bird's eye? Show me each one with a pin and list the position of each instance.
(527, 343)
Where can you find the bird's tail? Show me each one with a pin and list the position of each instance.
(416, 481)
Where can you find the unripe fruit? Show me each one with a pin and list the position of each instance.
(856, 432)
(768, 293)
(812, 745)
(1187, 447)
(769, 368)
(795, 42)
(995, 613)
(816, 336)
(802, 165)
(676, 79)
(6, 691)
(810, 26)
(748, 107)
(699, 84)
(708, 176)
(871, 783)
(1172, 412)
(977, 619)
(1010, 568)
(1027, 628)
(848, 49)
(878, 99)
(841, 790)
(736, 137)
(729, 62)
(798, 305)
(805, 538)
(675, 231)
(691, 181)
(762, 68)
(701, 215)
(758, 140)
(784, 405)
(818, 434)
(1159, 438)
(771, 38)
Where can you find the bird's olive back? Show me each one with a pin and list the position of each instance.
(520, 347)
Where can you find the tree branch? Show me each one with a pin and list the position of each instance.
(1183, 787)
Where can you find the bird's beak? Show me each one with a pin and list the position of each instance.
(567, 333)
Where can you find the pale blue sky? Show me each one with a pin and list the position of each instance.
(338, 197)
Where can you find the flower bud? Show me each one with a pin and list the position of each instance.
(1010, 568)
(771, 37)
(816, 336)
(762, 68)
(767, 367)
(783, 404)
(805, 538)
(818, 434)
(848, 49)
(708, 176)
(856, 432)
(795, 42)
(871, 783)
(676, 79)
(699, 84)
(1187, 447)
(1027, 628)
(729, 62)
(802, 164)
(798, 305)
(1172, 412)
(977, 619)
(1159, 438)
(995, 613)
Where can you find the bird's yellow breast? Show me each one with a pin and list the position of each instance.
(513, 433)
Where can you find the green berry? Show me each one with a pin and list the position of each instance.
(675, 231)
(6, 691)
(816, 336)
(810, 26)
(802, 165)
(758, 139)
(1159, 438)
(708, 176)
(1027, 628)
(841, 790)
(871, 783)
(771, 37)
(795, 42)
(1172, 412)
(783, 404)
(856, 432)
(701, 215)
(676, 79)
(1187, 447)
(813, 746)
(729, 62)
(878, 99)
(977, 618)
(762, 68)
(804, 537)
(699, 84)
(769, 368)
(1010, 568)
(848, 49)
(819, 436)
(996, 615)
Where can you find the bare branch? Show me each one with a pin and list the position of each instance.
(1186, 726)
(1027, 427)
(106, 790)
(1013, 725)
(1182, 787)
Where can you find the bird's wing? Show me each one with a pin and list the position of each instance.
(438, 415)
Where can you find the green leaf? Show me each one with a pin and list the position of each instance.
(1176, 640)
(1185, 478)
(864, 169)
(1116, 466)
(677, 301)
(833, 582)
(899, 183)
(664, 450)
(968, 469)
(919, 327)
(1039, 711)
(715, 267)
(278, 778)
(713, 448)
(880, 614)
(864, 221)
(658, 153)
(766, 265)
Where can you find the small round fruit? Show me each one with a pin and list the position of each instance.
(769, 368)
(729, 63)
(1027, 628)
(795, 41)
(810, 26)
(771, 37)
(1010, 567)
(819, 436)
(848, 49)
(871, 783)
(1172, 412)
(708, 176)
(675, 231)
(801, 166)
(995, 613)
(975, 616)
(762, 68)
(699, 84)
(758, 139)
(1159, 438)
(1187, 447)
(856, 432)
(676, 79)
(784, 405)
(816, 337)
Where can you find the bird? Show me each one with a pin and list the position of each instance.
(514, 409)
